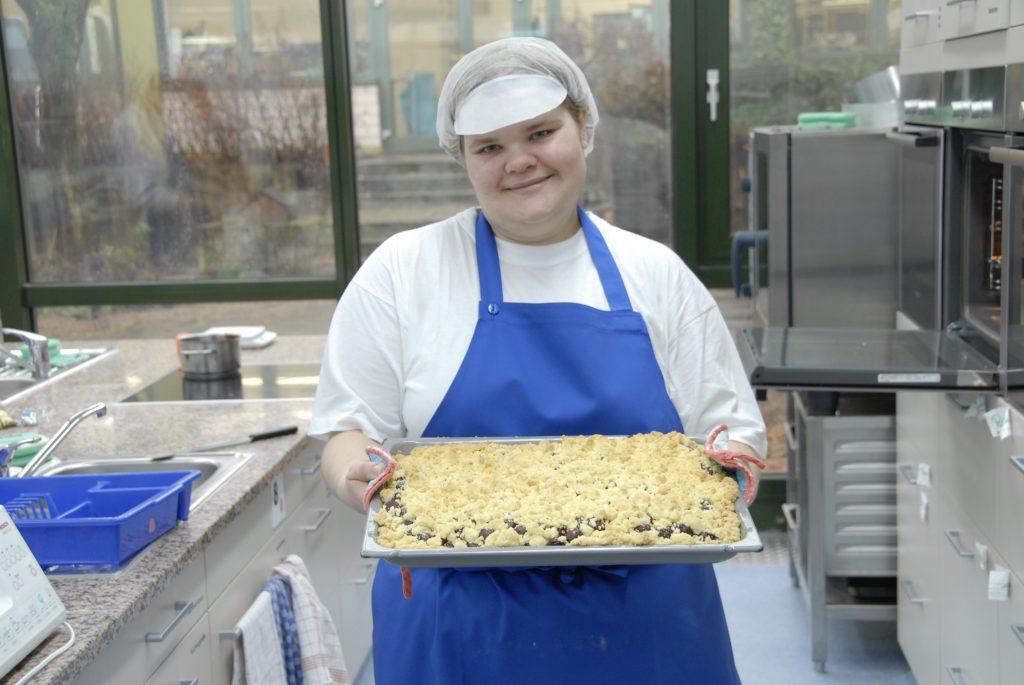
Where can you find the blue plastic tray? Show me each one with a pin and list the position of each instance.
(95, 522)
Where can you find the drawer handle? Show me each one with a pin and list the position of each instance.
(194, 681)
(908, 590)
(365, 580)
(951, 3)
(1018, 630)
(956, 675)
(1018, 462)
(908, 473)
(954, 539)
(790, 512)
(920, 14)
(183, 608)
(324, 513)
(311, 471)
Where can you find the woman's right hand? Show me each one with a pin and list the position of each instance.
(346, 467)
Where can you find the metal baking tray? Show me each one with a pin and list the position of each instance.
(447, 557)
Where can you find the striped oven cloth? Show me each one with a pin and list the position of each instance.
(322, 660)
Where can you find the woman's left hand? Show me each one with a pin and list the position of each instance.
(740, 460)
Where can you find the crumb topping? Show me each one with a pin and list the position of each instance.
(645, 489)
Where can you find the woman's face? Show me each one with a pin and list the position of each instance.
(529, 176)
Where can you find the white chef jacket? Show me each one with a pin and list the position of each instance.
(403, 325)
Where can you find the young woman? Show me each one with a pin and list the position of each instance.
(529, 316)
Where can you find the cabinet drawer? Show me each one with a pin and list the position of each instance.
(145, 642)
(968, 463)
(1016, 12)
(968, 17)
(1011, 634)
(919, 602)
(239, 595)
(1009, 486)
(920, 22)
(968, 639)
(246, 534)
(190, 660)
(355, 625)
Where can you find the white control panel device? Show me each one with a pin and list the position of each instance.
(29, 607)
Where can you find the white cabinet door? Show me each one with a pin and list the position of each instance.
(1009, 484)
(968, 17)
(1016, 12)
(919, 603)
(248, 532)
(189, 663)
(239, 596)
(1011, 635)
(332, 537)
(970, 463)
(968, 639)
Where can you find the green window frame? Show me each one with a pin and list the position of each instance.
(700, 168)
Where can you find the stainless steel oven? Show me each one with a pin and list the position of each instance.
(984, 242)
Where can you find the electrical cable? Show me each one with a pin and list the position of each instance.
(60, 650)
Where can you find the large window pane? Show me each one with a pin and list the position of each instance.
(793, 56)
(401, 51)
(173, 139)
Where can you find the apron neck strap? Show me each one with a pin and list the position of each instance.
(607, 271)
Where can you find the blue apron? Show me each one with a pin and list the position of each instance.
(553, 369)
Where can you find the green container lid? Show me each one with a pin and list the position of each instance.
(52, 344)
(24, 453)
(827, 120)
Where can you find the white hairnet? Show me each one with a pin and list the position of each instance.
(506, 57)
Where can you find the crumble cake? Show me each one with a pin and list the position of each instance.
(645, 489)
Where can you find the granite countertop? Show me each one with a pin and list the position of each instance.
(99, 605)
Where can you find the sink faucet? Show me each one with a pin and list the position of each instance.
(99, 409)
(7, 453)
(38, 362)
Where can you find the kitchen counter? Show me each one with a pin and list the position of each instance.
(99, 605)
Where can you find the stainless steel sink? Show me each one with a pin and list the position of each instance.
(14, 379)
(12, 386)
(215, 467)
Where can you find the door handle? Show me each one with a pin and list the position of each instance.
(913, 139)
(712, 78)
(1018, 462)
(1006, 155)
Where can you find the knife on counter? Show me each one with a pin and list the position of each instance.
(233, 442)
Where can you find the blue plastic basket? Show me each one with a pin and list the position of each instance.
(95, 522)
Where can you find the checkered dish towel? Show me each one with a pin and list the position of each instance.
(322, 660)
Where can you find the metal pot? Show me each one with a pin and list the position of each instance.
(205, 388)
(206, 356)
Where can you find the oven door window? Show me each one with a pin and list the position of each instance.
(982, 277)
(1013, 225)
